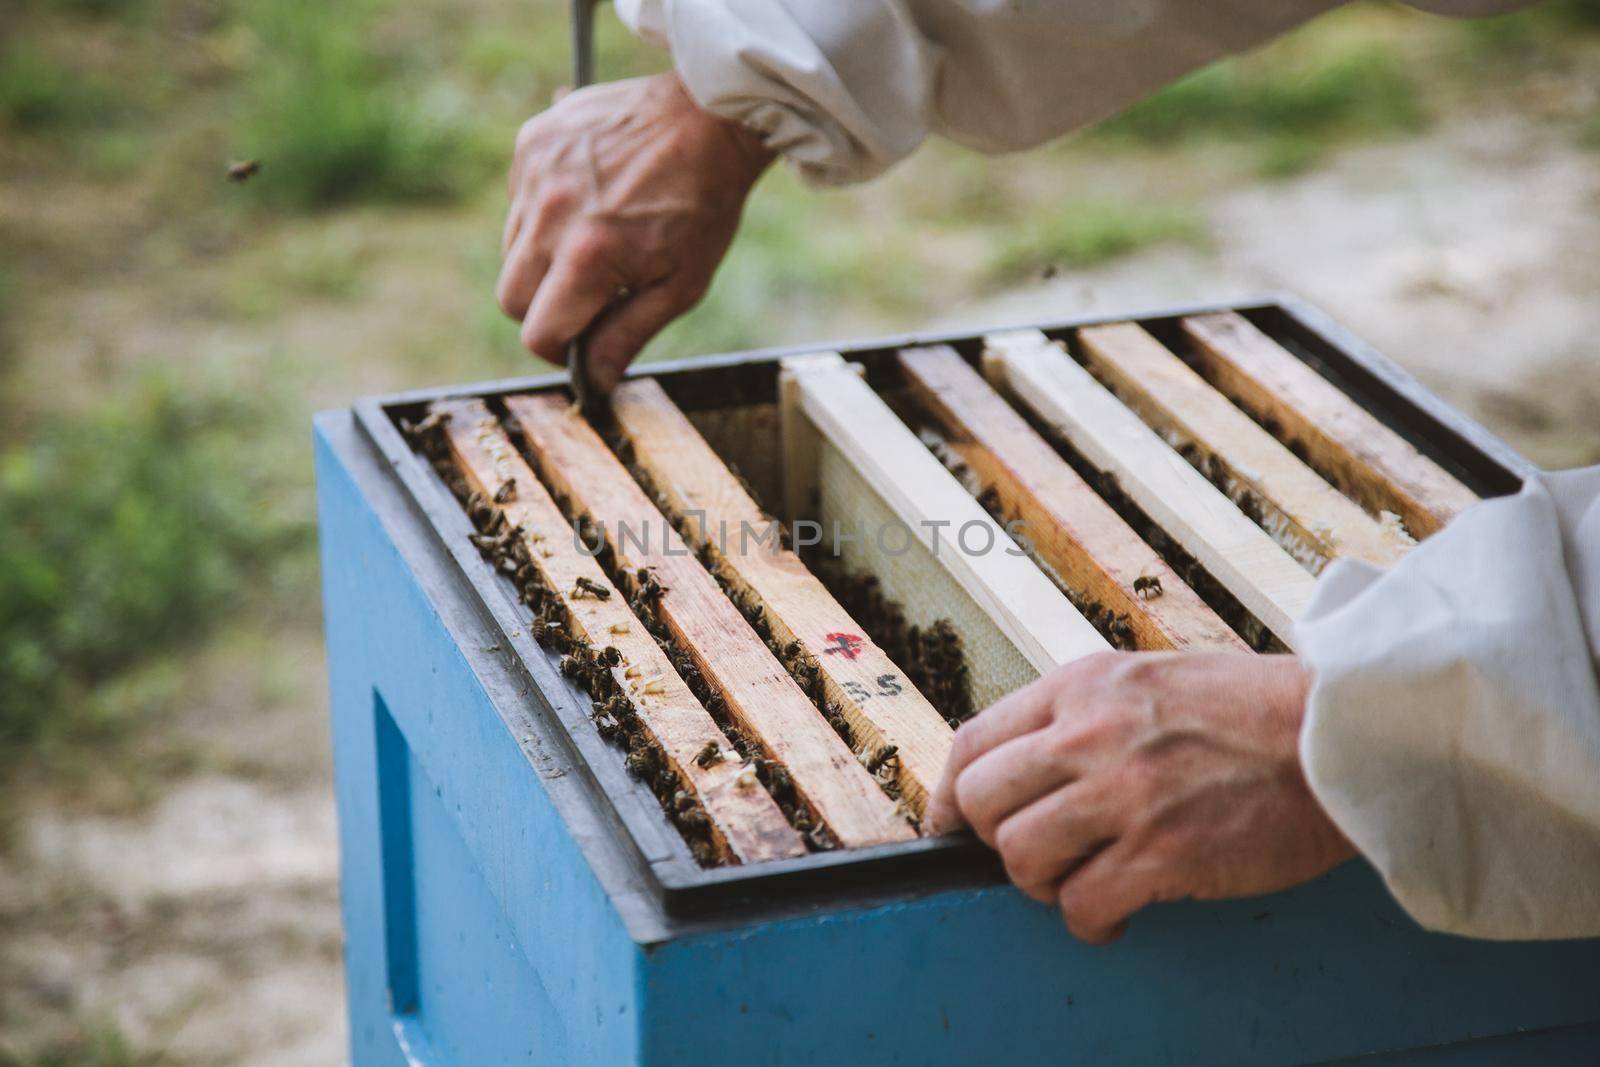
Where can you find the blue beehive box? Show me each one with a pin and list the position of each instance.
(511, 896)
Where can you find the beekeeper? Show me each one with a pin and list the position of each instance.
(1442, 719)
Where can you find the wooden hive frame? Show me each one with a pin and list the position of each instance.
(1254, 421)
(828, 409)
(1346, 443)
(744, 824)
(775, 715)
(1071, 528)
(717, 515)
(1310, 516)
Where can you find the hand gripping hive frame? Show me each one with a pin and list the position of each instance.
(1166, 481)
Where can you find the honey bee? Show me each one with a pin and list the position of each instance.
(507, 491)
(242, 170)
(882, 756)
(1147, 587)
(584, 585)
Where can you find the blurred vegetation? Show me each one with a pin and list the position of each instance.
(94, 1045)
(1082, 233)
(129, 530)
(341, 122)
(1291, 107)
(146, 487)
(39, 93)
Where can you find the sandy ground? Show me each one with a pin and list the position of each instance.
(206, 925)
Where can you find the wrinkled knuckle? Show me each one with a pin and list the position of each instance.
(591, 247)
(505, 295)
(1042, 892)
(541, 343)
(1064, 739)
(527, 134)
(1104, 665)
(1071, 904)
(964, 749)
(969, 801)
(552, 205)
(1142, 670)
(558, 196)
(1017, 852)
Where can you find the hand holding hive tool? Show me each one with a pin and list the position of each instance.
(624, 198)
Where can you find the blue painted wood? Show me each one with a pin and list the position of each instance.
(492, 916)
(495, 868)
(1328, 970)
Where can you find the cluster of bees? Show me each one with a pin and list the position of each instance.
(882, 762)
(932, 657)
(588, 667)
(771, 773)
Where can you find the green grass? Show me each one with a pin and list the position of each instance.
(128, 530)
(8, 301)
(333, 121)
(94, 1046)
(38, 92)
(1087, 233)
(1290, 104)
(1534, 36)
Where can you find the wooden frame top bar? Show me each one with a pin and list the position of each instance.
(1376, 466)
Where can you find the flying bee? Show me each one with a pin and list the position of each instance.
(1147, 587)
(242, 170)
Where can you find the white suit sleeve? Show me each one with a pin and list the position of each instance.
(844, 88)
(1453, 731)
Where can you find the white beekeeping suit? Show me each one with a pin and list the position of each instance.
(1453, 731)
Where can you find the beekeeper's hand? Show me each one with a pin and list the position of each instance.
(624, 192)
(1128, 778)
